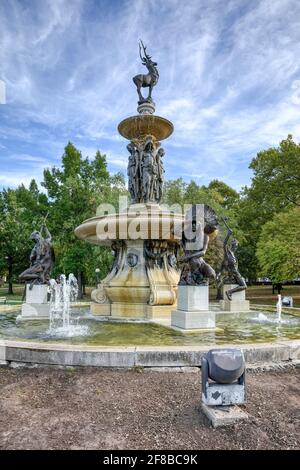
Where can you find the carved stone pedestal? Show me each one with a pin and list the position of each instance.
(192, 309)
(36, 306)
(138, 286)
(238, 302)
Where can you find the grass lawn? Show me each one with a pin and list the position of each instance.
(256, 294)
(263, 294)
(17, 295)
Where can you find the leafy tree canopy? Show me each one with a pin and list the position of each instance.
(278, 247)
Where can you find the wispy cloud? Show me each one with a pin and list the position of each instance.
(229, 80)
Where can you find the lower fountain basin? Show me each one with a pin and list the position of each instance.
(235, 328)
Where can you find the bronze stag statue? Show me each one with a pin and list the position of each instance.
(150, 79)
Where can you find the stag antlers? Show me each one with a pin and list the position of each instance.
(147, 58)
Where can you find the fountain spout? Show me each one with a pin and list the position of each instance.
(279, 308)
(62, 293)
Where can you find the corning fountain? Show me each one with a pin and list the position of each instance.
(144, 276)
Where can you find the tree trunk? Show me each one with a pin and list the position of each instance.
(10, 278)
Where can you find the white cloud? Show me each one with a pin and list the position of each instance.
(229, 78)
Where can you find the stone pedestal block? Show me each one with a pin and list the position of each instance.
(36, 305)
(34, 311)
(193, 320)
(192, 309)
(100, 309)
(37, 295)
(224, 415)
(192, 298)
(238, 302)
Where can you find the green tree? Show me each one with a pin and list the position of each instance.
(75, 191)
(278, 247)
(275, 188)
(174, 192)
(276, 181)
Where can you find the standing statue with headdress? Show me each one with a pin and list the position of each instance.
(133, 172)
(195, 239)
(148, 167)
(159, 183)
(41, 258)
(229, 272)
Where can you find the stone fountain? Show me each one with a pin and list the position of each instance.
(142, 283)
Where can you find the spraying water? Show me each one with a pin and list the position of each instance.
(279, 308)
(62, 293)
(262, 318)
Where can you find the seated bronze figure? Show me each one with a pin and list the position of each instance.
(41, 259)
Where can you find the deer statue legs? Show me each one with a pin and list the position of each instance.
(138, 80)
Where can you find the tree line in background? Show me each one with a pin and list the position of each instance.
(265, 216)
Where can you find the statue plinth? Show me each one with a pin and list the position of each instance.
(146, 107)
(36, 305)
(193, 309)
(238, 302)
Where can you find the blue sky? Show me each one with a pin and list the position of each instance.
(229, 81)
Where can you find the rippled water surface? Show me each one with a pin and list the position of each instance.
(233, 328)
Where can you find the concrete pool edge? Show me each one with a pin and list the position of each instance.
(18, 352)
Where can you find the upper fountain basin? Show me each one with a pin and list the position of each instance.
(136, 127)
(138, 221)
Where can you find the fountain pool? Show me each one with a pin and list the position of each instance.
(234, 328)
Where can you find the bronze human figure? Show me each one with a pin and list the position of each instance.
(195, 240)
(148, 172)
(230, 266)
(145, 171)
(41, 259)
(150, 79)
(133, 172)
(159, 183)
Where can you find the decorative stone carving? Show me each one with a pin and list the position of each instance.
(163, 277)
(132, 259)
(99, 295)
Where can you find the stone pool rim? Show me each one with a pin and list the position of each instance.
(27, 352)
